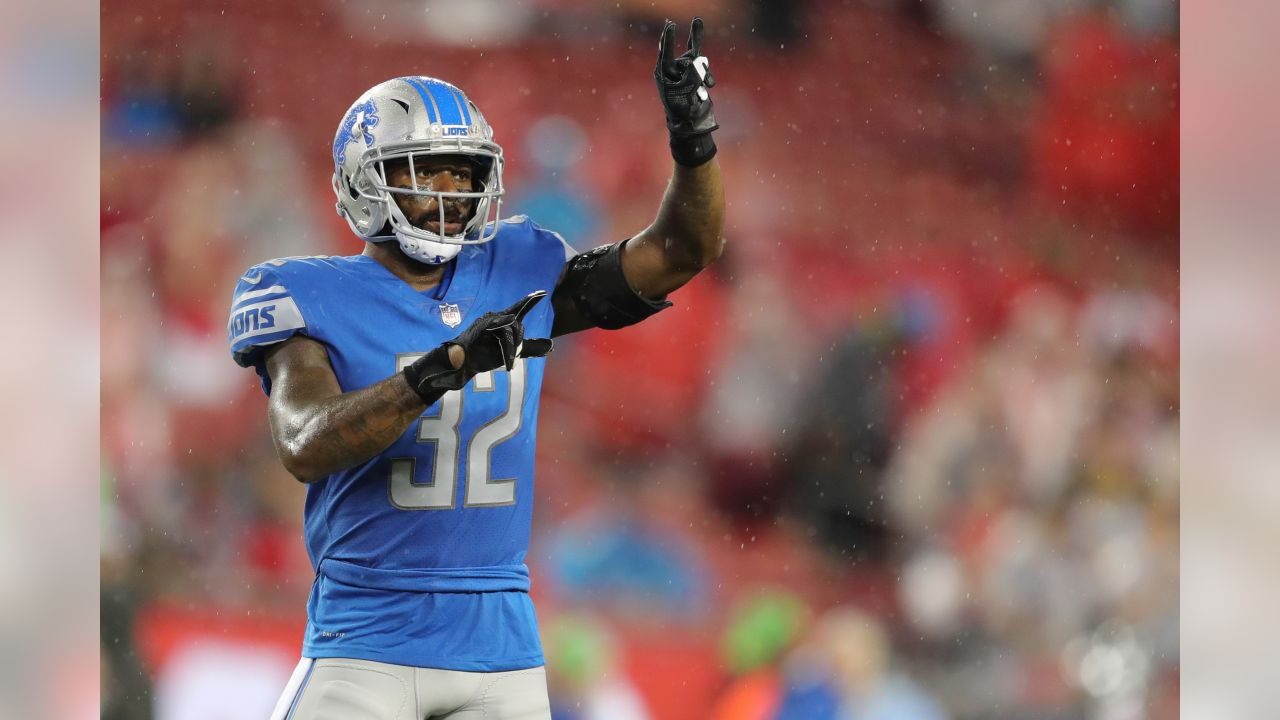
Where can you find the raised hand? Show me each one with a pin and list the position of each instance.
(682, 86)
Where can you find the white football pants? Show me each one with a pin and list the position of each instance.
(341, 689)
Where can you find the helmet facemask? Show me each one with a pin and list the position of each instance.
(478, 226)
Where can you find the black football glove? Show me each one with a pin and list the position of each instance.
(493, 341)
(682, 86)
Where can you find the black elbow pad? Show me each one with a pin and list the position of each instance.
(599, 290)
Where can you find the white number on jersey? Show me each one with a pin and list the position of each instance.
(408, 493)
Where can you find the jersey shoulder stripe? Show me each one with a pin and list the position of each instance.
(264, 306)
(264, 322)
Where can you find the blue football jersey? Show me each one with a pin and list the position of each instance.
(419, 552)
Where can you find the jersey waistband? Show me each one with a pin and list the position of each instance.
(498, 578)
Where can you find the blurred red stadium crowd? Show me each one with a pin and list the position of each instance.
(910, 450)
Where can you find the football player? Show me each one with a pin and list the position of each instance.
(404, 385)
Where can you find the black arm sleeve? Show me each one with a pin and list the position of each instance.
(598, 289)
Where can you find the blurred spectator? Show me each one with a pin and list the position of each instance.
(1050, 518)
(207, 90)
(755, 390)
(841, 446)
(440, 22)
(809, 694)
(843, 672)
(617, 556)
(846, 429)
(558, 196)
(125, 683)
(583, 677)
(156, 99)
(141, 109)
(271, 211)
(761, 629)
(866, 684)
(779, 22)
(1106, 146)
(1012, 30)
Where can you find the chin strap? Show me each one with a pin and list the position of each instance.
(418, 249)
(432, 252)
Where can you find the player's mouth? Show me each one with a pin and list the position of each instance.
(451, 227)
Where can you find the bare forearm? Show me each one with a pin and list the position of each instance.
(322, 437)
(690, 221)
(686, 236)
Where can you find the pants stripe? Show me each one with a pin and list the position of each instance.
(288, 701)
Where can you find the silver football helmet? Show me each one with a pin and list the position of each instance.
(410, 118)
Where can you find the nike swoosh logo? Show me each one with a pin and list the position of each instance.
(251, 280)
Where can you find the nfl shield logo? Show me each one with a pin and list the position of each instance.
(450, 315)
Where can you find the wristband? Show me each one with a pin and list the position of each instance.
(432, 375)
(692, 150)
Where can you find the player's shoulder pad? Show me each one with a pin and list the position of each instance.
(542, 239)
(264, 308)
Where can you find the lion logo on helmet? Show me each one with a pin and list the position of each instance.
(357, 123)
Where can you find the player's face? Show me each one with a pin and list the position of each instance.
(438, 173)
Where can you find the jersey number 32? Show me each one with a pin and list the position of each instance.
(409, 493)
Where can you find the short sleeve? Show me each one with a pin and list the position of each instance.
(263, 313)
(554, 242)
